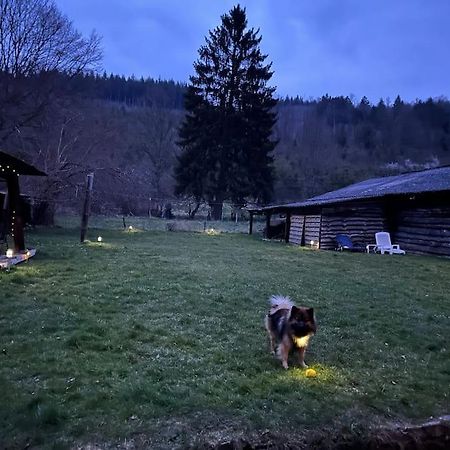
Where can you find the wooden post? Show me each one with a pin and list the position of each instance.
(250, 229)
(287, 229)
(268, 225)
(15, 213)
(302, 241)
(86, 206)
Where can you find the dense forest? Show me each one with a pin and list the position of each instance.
(125, 130)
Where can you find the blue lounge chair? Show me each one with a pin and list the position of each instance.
(344, 242)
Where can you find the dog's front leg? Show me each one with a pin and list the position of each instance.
(283, 353)
(301, 357)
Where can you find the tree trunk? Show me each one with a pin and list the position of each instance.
(44, 214)
(216, 210)
(193, 212)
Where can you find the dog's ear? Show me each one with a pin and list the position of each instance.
(310, 312)
(294, 312)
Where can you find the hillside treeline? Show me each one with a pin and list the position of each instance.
(328, 143)
(125, 131)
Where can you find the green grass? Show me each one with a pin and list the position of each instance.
(159, 337)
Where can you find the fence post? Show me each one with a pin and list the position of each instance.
(86, 206)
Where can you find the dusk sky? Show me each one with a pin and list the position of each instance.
(341, 47)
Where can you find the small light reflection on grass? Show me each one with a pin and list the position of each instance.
(132, 229)
(212, 232)
(325, 375)
(101, 245)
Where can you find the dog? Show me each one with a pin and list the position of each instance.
(289, 328)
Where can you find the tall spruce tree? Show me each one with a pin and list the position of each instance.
(226, 135)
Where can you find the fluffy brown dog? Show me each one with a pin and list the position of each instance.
(290, 328)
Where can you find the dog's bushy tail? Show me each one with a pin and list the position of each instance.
(280, 302)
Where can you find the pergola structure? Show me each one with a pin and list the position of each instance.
(12, 214)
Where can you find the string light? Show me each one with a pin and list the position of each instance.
(7, 168)
(13, 221)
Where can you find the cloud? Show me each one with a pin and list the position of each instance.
(378, 49)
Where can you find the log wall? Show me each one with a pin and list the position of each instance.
(296, 229)
(424, 230)
(312, 230)
(419, 224)
(304, 228)
(359, 222)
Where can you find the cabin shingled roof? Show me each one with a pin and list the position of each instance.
(429, 180)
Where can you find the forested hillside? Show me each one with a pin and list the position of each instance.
(327, 143)
(125, 131)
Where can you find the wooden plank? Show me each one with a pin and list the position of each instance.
(430, 225)
(427, 242)
(423, 250)
(18, 258)
(296, 231)
(424, 232)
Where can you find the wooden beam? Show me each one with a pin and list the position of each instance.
(15, 213)
(268, 215)
(287, 229)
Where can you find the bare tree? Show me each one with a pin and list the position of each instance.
(36, 37)
(158, 133)
(36, 40)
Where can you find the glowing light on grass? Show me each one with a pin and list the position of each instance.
(212, 232)
(133, 229)
(317, 373)
(314, 244)
(9, 253)
(99, 239)
(100, 245)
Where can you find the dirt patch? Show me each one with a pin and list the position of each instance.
(433, 435)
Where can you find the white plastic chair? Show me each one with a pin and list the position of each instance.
(384, 245)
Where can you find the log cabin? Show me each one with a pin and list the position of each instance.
(413, 207)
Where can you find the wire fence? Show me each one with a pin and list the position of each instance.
(125, 204)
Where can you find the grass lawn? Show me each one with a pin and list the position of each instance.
(157, 338)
